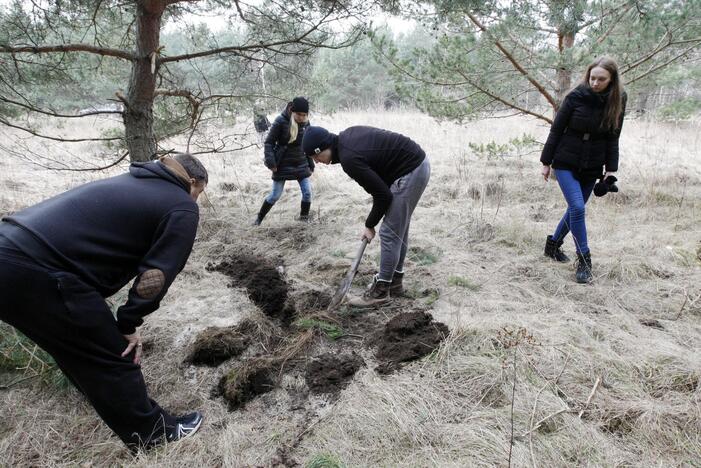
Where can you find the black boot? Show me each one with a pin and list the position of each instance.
(552, 250)
(396, 289)
(304, 211)
(265, 207)
(584, 268)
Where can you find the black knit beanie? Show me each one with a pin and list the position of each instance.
(300, 104)
(316, 140)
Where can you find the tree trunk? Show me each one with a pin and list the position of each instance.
(563, 74)
(138, 113)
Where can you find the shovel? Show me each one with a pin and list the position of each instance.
(346, 283)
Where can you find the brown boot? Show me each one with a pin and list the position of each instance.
(376, 294)
(396, 289)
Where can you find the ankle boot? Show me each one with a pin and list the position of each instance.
(584, 268)
(304, 211)
(396, 289)
(552, 250)
(376, 294)
(265, 207)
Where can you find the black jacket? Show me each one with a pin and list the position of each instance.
(576, 141)
(375, 158)
(290, 160)
(109, 231)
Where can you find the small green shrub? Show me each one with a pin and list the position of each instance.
(334, 332)
(423, 256)
(325, 460)
(463, 282)
(18, 354)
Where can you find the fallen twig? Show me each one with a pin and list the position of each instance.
(591, 395)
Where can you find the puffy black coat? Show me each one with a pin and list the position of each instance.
(290, 160)
(576, 141)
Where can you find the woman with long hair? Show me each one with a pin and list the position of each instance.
(285, 158)
(582, 147)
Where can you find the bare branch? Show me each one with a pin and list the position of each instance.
(68, 48)
(253, 47)
(504, 101)
(509, 56)
(65, 140)
(660, 48)
(87, 169)
(56, 114)
(662, 65)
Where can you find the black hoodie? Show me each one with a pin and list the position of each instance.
(375, 158)
(109, 231)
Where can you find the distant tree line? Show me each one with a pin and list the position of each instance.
(465, 59)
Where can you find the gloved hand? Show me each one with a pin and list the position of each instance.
(605, 185)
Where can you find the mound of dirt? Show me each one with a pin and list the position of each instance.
(407, 337)
(330, 373)
(263, 283)
(246, 382)
(215, 345)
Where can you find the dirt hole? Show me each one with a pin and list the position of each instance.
(407, 337)
(246, 382)
(330, 373)
(263, 283)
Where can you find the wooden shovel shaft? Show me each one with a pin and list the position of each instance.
(348, 280)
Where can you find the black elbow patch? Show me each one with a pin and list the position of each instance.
(150, 284)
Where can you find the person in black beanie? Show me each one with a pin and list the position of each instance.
(60, 258)
(583, 142)
(395, 171)
(285, 158)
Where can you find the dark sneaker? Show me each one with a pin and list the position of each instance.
(185, 426)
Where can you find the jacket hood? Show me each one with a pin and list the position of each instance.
(156, 170)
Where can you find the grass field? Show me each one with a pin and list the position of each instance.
(605, 374)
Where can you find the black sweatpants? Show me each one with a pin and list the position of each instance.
(72, 322)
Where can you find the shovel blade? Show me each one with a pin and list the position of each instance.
(348, 280)
(340, 293)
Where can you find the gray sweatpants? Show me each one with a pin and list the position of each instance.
(394, 232)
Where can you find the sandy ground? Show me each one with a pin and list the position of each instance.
(527, 345)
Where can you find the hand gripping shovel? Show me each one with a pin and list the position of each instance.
(346, 283)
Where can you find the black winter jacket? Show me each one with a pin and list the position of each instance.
(109, 231)
(290, 160)
(576, 141)
(375, 158)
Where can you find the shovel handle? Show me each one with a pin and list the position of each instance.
(358, 257)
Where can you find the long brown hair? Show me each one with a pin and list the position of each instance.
(614, 104)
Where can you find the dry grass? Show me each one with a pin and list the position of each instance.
(477, 241)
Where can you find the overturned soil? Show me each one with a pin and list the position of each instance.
(330, 373)
(407, 337)
(215, 345)
(246, 382)
(263, 283)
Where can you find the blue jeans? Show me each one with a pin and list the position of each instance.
(305, 186)
(576, 194)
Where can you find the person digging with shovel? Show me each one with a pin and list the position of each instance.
(395, 171)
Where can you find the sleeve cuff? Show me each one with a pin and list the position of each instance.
(126, 328)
